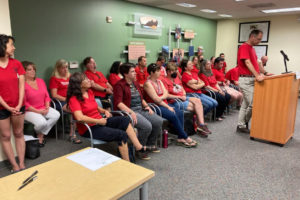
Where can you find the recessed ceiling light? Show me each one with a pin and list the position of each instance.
(281, 10)
(224, 15)
(208, 11)
(186, 5)
(239, 0)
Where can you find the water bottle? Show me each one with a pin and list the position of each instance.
(165, 139)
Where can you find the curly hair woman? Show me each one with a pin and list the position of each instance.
(81, 101)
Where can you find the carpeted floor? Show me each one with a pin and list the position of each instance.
(226, 165)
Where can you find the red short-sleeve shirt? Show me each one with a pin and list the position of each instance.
(219, 75)
(185, 79)
(113, 79)
(174, 88)
(209, 80)
(88, 107)
(232, 75)
(246, 51)
(141, 75)
(99, 79)
(9, 82)
(60, 84)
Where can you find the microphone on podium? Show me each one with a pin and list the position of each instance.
(284, 55)
(285, 58)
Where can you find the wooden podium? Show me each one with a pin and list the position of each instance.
(274, 108)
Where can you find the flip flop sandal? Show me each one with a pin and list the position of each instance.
(193, 143)
(183, 144)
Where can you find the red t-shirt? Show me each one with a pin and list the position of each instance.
(141, 75)
(246, 51)
(218, 75)
(9, 82)
(174, 88)
(88, 107)
(99, 79)
(185, 79)
(60, 84)
(232, 75)
(209, 81)
(195, 70)
(113, 79)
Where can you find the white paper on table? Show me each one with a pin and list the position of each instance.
(93, 158)
(29, 137)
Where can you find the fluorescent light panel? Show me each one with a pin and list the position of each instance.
(224, 15)
(208, 11)
(239, 0)
(281, 10)
(186, 5)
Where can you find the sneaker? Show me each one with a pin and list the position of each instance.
(154, 150)
(242, 130)
(202, 133)
(143, 156)
(204, 129)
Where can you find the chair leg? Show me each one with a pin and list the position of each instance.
(56, 132)
(63, 124)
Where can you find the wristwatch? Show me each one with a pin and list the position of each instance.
(104, 90)
(265, 73)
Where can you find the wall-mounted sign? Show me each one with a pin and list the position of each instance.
(147, 24)
(189, 34)
(135, 50)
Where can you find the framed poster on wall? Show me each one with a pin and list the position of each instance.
(261, 50)
(246, 28)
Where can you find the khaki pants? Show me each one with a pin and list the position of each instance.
(247, 87)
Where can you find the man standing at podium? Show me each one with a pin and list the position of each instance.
(249, 71)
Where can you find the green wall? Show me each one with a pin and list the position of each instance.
(46, 31)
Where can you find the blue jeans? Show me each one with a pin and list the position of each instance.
(207, 102)
(175, 118)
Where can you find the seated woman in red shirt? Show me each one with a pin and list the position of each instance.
(210, 83)
(224, 84)
(58, 88)
(11, 103)
(155, 92)
(193, 85)
(81, 101)
(174, 86)
(115, 74)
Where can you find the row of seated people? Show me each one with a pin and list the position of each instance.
(80, 92)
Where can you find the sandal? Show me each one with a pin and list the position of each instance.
(192, 143)
(74, 140)
(183, 144)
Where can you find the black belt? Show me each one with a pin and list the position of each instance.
(246, 75)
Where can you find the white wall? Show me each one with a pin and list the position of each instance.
(284, 35)
(5, 28)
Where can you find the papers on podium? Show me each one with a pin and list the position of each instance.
(93, 158)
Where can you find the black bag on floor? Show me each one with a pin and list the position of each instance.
(189, 126)
(32, 149)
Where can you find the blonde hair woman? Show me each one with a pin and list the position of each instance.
(59, 83)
